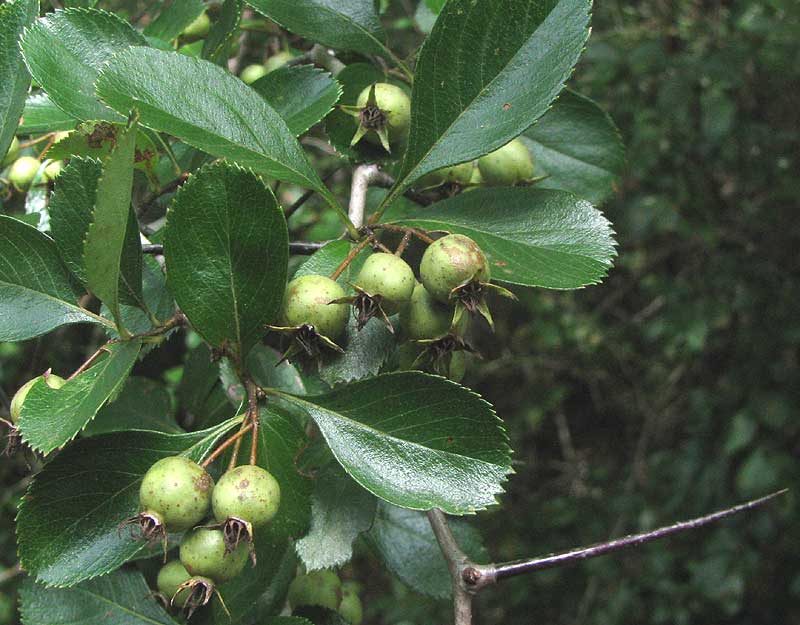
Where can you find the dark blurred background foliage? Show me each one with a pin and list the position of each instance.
(671, 390)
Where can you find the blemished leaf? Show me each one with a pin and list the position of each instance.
(64, 52)
(105, 252)
(68, 521)
(173, 18)
(366, 351)
(341, 24)
(415, 440)
(405, 542)
(143, 404)
(302, 95)
(41, 115)
(578, 147)
(520, 54)
(341, 510)
(227, 250)
(209, 108)
(532, 237)
(37, 293)
(121, 598)
(14, 17)
(217, 43)
(52, 417)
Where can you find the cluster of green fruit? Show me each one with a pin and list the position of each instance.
(324, 589)
(23, 169)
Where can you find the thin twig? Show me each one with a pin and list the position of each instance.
(300, 248)
(350, 257)
(252, 414)
(456, 561)
(403, 244)
(89, 362)
(27, 144)
(363, 177)
(417, 233)
(150, 200)
(236, 438)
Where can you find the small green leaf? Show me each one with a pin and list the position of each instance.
(175, 15)
(415, 440)
(302, 95)
(122, 598)
(41, 115)
(143, 404)
(216, 46)
(50, 418)
(326, 260)
(341, 510)
(68, 521)
(64, 52)
(14, 17)
(532, 237)
(36, 291)
(578, 147)
(366, 351)
(227, 249)
(489, 69)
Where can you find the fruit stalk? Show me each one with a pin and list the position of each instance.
(232, 440)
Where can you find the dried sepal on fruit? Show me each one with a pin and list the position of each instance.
(383, 112)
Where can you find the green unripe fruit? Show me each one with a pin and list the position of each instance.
(450, 262)
(390, 277)
(23, 171)
(276, 61)
(307, 300)
(252, 73)
(203, 553)
(52, 170)
(170, 577)
(198, 28)
(457, 174)
(395, 104)
(458, 366)
(53, 381)
(322, 588)
(177, 491)
(350, 608)
(424, 317)
(13, 152)
(248, 493)
(507, 166)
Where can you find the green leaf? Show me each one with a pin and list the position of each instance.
(157, 301)
(64, 52)
(52, 417)
(263, 364)
(224, 117)
(36, 291)
(143, 404)
(415, 440)
(405, 542)
(105, 251)
(122, 598)
(532, 237)
(216, 46)
(41, 115)
(173, 18)
(325, 261)
(227, 251)
(366, 351)
(489, 69)
(578, 147)
(14, 17)
(68, 521)
(341, 510)
(302, 95)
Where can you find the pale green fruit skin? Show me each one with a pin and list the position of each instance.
(395, 103)
(247, 492)
(350, 608)
(457, 174)
(389, 276)
(53, 381)
(199, 27)
(252, 73)
(507, 166)
(178, 491)
(321, 588)
(13, 152)
(307, 300)
(424, 317)
(172, 575)
(52, 171)
(203, 553)
(276, 61)
(451, 261)
(23, 171)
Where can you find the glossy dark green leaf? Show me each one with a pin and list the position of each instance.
(224, 30)
(121, 598)
(64, 52)
(415, 440)
(302, 95)
(262, 364)
(578, 147)
(200, 394)
(41, 115)
(227, 249)
(405, 542)
(532, 237)
(37, 293)
(207, 107)
(341, 510)
(519, 52)
(68, 522)
(366, 351)
(156, 307)
(14, 17)
(175, 15)
(143, 404)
